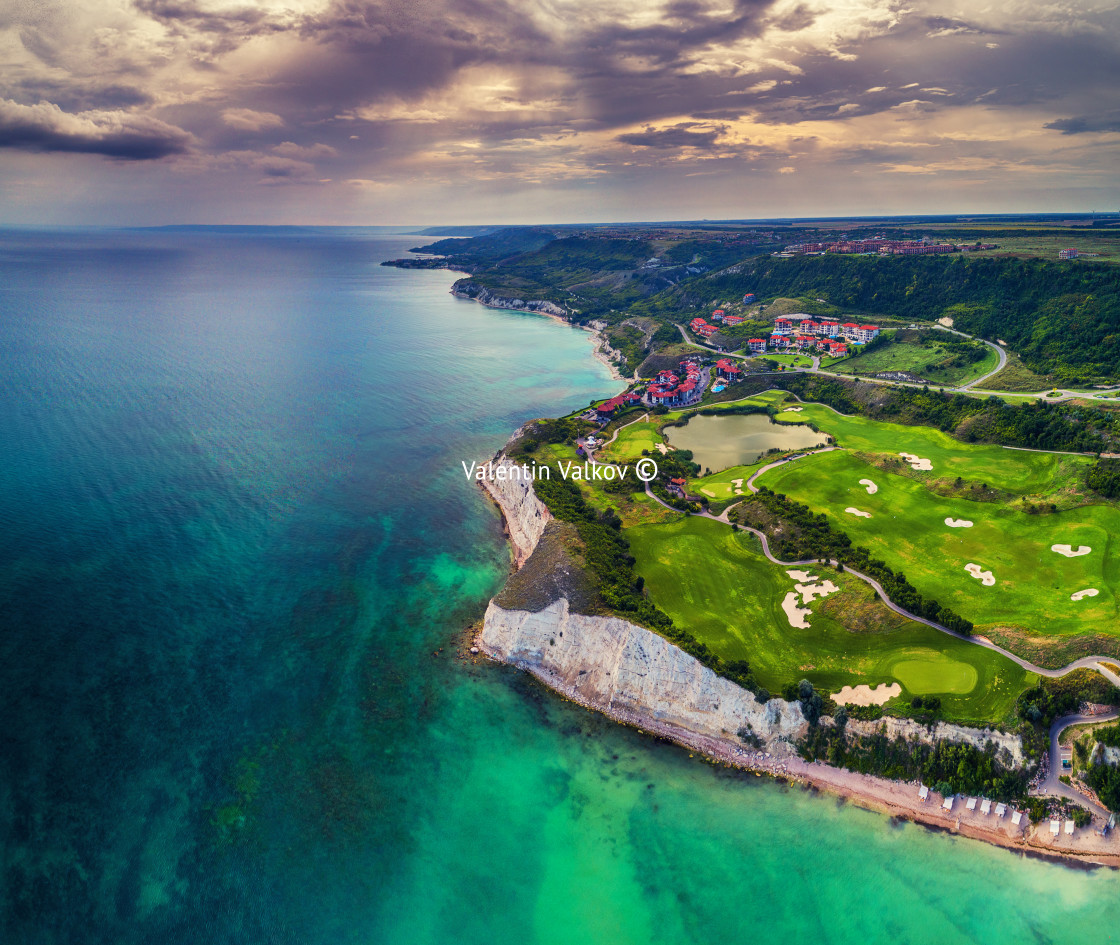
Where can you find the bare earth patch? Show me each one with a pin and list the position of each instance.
(871, 487)
(865, 695)
(958, 523)
(1070, 552)
(984, 577)
(852, 511)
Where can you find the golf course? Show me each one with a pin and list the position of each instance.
(1029, 585)
(716, 582)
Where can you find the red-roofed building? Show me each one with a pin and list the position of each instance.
(732, 319)
(697, 322)
(804, 341)
(729, 369)
(756, 345)
(783, 324)
(706, 331)
(780, 341)
(718, 314)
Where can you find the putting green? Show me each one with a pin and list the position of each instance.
(715, 582)
(934, 673)
(907, 530)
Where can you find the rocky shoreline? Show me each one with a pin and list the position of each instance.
(638, 678)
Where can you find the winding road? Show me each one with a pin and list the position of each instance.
(1050, 786)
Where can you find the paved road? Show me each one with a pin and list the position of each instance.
(1063, 393)
(1051, 786)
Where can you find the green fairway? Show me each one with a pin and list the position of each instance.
(630, 442)
(1019, 471)
(716, 583)
(922, 353)
(790, 360)
(907, 530)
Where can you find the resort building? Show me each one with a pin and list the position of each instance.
(1070, 253)
(783, 324)
(748, 298)
(732, 319)
(728, 369)
(608, 407)
(756, 345)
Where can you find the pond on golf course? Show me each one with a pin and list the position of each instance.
(719, 441)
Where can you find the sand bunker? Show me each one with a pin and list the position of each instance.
(871, 487)
(958, 523)
(865, 695)
(802, 576)
(795, 614)
(1070, 552)
(809, 592)
(916, 462)
(985, 577)
(662, 448)
(852, 511)
(793, 409)
(737, 486)
(1088, 592)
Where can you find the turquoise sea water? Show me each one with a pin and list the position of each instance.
(236, 553)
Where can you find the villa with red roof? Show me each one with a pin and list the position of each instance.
(732, 319)
(783, 324)
(757, 345)
(727, 368)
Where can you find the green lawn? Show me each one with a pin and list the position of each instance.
(716, 583)
(908, 531)
(792, 360)
(631, 441)
(1018, 471)
(923, 356)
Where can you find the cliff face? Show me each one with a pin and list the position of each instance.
(636, 676)
(633, 674)
(525, 514)
(465, 289)
(1010, 746)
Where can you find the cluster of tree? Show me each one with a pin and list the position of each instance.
(1105, 780)
(812, 703)
(1103, 477)
(1109, 735)
(948, 767)
(563, 430)
(1061, 426)
(1061, 319)
(804, 534)
(1053, 698)
(606, 552)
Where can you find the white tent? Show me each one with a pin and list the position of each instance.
(1001, 809)
(971, 805)
(985, 806)
(1069, 826)
(923, 792)
(947, 804)
(1017, 817)
(1055, 827)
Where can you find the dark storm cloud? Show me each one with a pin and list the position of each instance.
(45, 127)
(1083, 124)
(679, 136)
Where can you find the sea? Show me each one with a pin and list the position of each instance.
(238, 554)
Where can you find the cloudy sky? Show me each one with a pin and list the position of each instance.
(424, 111)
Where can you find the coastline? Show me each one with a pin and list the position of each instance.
(778, 759)
(600, 345)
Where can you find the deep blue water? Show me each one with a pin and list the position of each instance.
(237, 552)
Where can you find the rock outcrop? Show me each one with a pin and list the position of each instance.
(1010, 747)
(634, 675)
(465, 289)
